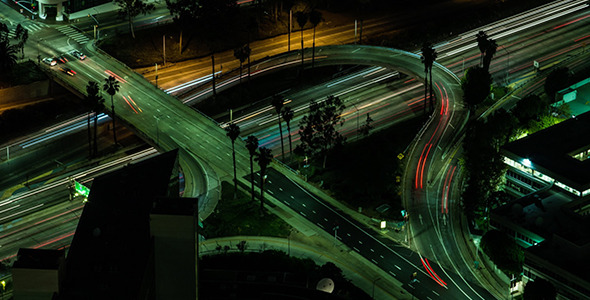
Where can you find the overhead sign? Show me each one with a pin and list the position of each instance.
(81, 189)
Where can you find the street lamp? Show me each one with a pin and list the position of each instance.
(156, 75)
(95, 26)
(3, 287)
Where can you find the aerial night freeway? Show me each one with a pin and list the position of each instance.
(388, 85)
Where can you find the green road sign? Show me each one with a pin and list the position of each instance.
(81, 189)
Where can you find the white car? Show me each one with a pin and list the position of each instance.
(50, 61)
(77, 54)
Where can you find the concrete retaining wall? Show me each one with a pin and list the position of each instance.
(14, 94)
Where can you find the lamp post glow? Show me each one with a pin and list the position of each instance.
(526, 162)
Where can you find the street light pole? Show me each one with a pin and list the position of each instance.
(156, 75)
(95, 26)
(357, 121)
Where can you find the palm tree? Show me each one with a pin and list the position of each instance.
(428, 56)
(22, 35)
(242, 53)
(111, 86)
(432, 53)
(97, 107)
(233, 132)
(315, 17)
(288, 116)
(482, 43)
(301, 20)
(23, 39)
(264, 158)
(7, 56)
(252, 145)
(95, 104)
(278, 102)
(89, 107)
(491, 49)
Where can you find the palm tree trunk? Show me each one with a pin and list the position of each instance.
(313, 49)
(431, 92)
(262, 191)
(180, 44)
(235, 173)
(89, 137)
(131, 27)
(301, 49)
(290, 145)
(252, 175)
(425, 89)
(114, 123)
(281, 136)
(95, 134)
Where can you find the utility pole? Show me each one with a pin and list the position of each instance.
(213, 73)
(289, 30)
(164, 48)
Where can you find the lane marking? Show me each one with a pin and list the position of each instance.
(357, 250)
(398, 267)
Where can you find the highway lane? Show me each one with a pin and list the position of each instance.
(32, 217)
(398, 261)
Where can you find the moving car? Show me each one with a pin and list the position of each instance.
(77, 54)
(68, 71)
(50, 61)
(62, 59)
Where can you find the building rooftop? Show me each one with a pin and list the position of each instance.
(39, 259)
(110, 250)
(551, 151)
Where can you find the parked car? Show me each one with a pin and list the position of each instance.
(68, 71)
(77, 54)
(50, 61)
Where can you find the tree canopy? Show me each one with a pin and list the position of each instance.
(557, 80)
(318, 129)
(530, 108)
(476, 84)
(540, 289)
(132, 8)
(503, 251)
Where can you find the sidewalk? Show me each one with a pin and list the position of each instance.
(8, 14)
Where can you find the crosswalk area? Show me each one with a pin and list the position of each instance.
(73, 33)
(29, 27)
